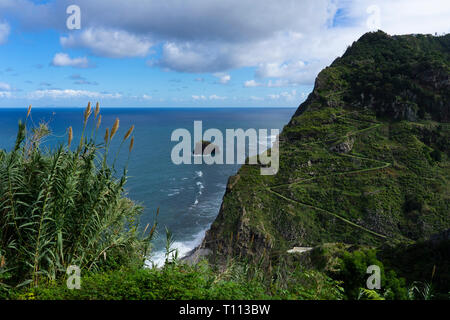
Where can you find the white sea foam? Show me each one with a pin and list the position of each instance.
(200, 185)
(174, 192)
(183, 247)
(199, 174)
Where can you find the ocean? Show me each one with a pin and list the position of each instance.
(188, 196)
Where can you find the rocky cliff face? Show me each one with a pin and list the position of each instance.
(365, 159)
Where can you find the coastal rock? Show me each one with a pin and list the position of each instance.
(206, 148)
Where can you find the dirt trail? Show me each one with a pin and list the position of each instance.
(382, 166)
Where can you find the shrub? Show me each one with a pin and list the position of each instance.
(186, 282)
(352, 272)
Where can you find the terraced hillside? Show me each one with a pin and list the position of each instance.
(364, 160)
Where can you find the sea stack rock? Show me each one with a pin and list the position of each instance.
(206, 148)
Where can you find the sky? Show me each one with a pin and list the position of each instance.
(187, 53)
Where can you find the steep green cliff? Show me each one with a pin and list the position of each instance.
(364, 160)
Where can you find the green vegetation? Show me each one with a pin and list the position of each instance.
(352, 273)
(183, 282)
(363, 180)
(364, 160)
(425, 265)
(64, 208)
(402, 77)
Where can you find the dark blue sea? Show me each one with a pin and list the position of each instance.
(188, 196)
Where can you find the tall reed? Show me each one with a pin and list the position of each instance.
(65, 208)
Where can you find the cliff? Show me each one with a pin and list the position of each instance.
(364, 160)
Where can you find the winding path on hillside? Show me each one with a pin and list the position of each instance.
(381, 166)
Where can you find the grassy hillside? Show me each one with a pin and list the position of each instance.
(364, 160)
(364, 179)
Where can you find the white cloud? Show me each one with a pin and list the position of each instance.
(223, 77)
(285, 55)
(290, 72)
(231, 20)
(216, 97)
(278, 83)
(109, 42)
(194, 97)
(277, 70)
(5, 94)
(286, 95)
(270, 84)
(290, 40)
(192, 57)
(204, 98)
(6, 91)
(252, 84)
(4, 32)
(295, 53)
(5, 86)
(404, 16)
(70, 93)
(64, 60)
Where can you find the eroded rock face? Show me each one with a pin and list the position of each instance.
(376, 81)
(343, 147)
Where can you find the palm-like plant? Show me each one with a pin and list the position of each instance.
(422, 290)
(64, 208)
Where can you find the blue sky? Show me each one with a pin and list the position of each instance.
(173, 53)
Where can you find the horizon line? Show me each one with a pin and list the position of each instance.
(153, 107)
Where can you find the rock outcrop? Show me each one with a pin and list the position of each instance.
(358, 160)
